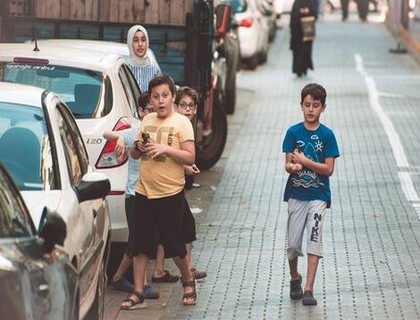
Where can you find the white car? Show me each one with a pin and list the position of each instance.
(253, 32)
(100, 90)
(43, 150)
(118, 48)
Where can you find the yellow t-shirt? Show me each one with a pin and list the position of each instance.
(162, 176)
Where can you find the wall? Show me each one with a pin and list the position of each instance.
(127, 11)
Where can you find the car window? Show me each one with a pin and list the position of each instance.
(79, 88)
(108, 97)
(14, 219)
(75, 152)
(24, 146)
(131, 88)
(238, 6)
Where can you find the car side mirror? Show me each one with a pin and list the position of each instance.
(94, 185)
(52, 229)
(223, 19)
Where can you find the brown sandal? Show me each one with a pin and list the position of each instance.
(190, 295)
(134, 304)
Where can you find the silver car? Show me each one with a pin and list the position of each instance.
(37, 279)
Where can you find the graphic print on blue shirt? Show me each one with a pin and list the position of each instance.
(315, 145)
(308, 178)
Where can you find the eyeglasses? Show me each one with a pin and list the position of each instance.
(185, 106)
(147, 109)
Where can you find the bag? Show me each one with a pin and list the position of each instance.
(308, 28)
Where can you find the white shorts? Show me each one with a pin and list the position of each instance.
(309, 215)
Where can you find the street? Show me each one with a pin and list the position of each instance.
(371, 236)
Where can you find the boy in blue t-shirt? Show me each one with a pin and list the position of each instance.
(311, 149)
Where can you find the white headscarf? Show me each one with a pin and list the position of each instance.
(136, 60)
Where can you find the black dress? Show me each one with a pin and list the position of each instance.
(302, 50)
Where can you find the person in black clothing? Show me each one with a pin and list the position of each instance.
(302, 50)
(363, 9)
(345, 9)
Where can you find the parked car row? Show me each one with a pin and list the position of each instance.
(256, 24)
(43, 150)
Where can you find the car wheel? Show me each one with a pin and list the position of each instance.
(263, 56)
(252, 62)
(230, 99)
(214, 143)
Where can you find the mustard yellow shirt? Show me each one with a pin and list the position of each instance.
(162, 176)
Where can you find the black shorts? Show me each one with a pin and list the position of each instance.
(159, 219)
(188, 224)
(129, 213)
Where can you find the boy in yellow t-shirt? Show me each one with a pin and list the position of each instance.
(165, 144)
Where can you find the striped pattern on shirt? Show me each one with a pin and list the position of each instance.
(144, 74)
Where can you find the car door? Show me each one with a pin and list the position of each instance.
(130, 87)
(34, 285)
(87, 221)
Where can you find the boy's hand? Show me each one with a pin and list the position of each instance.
(298, 157)
(192, 170)
(155, 149)
(120, 147)
(294, 167)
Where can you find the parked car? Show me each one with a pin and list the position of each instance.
(102, 94)
(228, 54)
(266, 8)
(253, 32)
(117, 48)
(37, 279)
(43, 150)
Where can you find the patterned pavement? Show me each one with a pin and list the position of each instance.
(371, 264)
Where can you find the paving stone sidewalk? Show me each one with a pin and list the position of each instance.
(371, 264)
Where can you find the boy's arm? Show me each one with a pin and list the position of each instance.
(323, 168)
(137, 149)
(290, 166)
(191, 170)
(111, 135)
(120, 146)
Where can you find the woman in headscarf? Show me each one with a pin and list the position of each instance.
(142, 65)
(301, 48)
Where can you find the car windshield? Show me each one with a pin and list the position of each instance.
(238, 6)
(25, 149)
(79, 88)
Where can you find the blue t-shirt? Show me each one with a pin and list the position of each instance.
(316, 145)
(130, 136)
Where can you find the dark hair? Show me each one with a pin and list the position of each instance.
(315, 90)
(143, 100)
(159, 80)
(186, 91)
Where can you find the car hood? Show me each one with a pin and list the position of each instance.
(36, 201)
